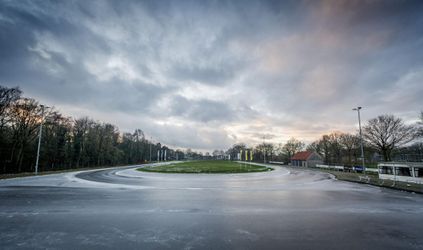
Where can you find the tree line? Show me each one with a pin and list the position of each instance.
(66, 142)
(82, 143)
(385, 138)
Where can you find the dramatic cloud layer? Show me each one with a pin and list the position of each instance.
(207, 74)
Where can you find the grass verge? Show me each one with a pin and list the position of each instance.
(206, 167)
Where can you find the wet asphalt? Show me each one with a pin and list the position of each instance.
(283, 209)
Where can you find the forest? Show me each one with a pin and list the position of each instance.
(66, 143)
(69, 143)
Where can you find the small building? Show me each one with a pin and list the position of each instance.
(306, 159)
(401, 171)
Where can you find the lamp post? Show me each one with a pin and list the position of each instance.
(361, 137)
(151, 141)
(264, 148)
(39, 139)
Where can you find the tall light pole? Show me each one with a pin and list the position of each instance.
(39, 139)
(264, 148)
(151, 141)
(361, 137)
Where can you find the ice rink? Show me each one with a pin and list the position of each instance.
(122, 208)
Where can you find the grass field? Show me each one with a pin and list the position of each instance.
(209, 167)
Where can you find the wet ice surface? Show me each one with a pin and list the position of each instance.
(124, 208)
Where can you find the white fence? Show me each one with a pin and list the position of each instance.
(343, 168)
(277, 162)
(401, 171)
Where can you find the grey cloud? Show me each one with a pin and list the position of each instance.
(297, 66)
(201, 110)
(207, 139)
(24, 66)
(207, 75)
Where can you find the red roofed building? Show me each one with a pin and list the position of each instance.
(306, 159)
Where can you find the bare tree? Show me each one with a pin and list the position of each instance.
(218, 154)
(26, 115)
(235, 149)
(315, 147)
(291, 147)
(7, 97)
(335, 146)
(55, 141)
(325, 147)
(264, 151)
(80, 131)
(386, 132)
(350, 143)
(420, 125)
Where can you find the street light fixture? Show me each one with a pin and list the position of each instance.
(361, 137)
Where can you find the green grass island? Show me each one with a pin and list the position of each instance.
(206, 167)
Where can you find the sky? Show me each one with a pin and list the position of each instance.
(208, 74)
